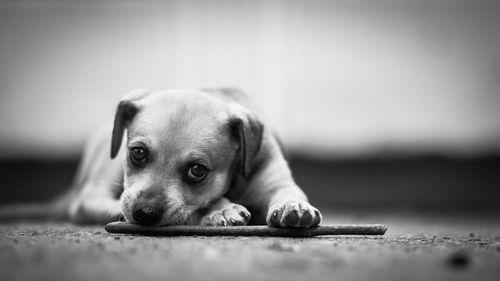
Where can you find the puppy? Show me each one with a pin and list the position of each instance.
(186, 157)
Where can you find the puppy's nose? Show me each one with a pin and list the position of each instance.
(147, 215)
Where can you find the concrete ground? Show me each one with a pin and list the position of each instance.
(416, 247)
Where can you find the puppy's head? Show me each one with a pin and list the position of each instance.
(182, 150)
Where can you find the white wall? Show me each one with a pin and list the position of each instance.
(342, 77)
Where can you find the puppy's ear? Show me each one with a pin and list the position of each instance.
(125, 112)
(249, 132)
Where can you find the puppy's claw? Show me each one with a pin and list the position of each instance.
(293, 214)
(275, 218)
(306, 219)
(317, 217)
(245, 215)
(234, 214)
(291, 218)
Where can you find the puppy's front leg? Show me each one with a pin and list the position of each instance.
(274, 191)
(223, 212)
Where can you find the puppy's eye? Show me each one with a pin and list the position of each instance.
(196, 172)
(139, 155)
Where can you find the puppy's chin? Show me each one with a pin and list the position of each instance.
(179, 216)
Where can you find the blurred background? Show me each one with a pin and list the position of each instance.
(383, 104)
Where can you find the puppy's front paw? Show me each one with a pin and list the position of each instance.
(234, 214)
(293, 214)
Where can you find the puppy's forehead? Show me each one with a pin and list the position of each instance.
(183, 105)
(180, 116)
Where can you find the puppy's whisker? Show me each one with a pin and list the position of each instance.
(111, 184)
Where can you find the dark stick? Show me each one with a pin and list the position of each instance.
(254, 230)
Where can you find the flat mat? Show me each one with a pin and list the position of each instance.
(254, 230)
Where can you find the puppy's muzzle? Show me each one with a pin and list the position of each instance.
(148, 208)
(147, 215)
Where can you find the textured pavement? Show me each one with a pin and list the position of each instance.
(416, 247)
